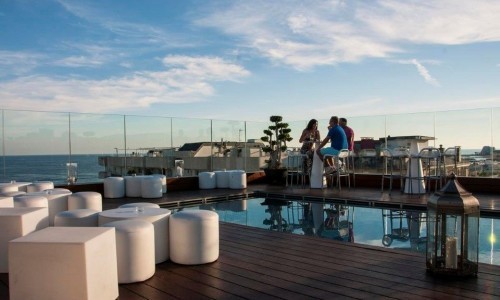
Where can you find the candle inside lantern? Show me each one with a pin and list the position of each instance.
(451, 252)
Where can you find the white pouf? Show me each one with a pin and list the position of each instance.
(194, 237)
(133, 186)
(57, 199)
(151, 187)
(8, 187)
(85, 200)
(39, 186)
(237, 179)
(6, 201)
(114, 187)
(64, 263)
(77, 218)
(139, 204)
(159, 217)
(135, 250)
(16, 222)
(31, 201)
(207, 180)
(163, 182)
(222, 178)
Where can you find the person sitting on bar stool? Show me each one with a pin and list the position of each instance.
(338, 141)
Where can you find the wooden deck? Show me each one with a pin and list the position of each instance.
(261, 264)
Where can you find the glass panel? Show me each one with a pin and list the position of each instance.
(431, 229)
(91, 135)
(230, 152)
(474, 142)
(367, 134)
(254, 131)
(495, 140)
(472, 238)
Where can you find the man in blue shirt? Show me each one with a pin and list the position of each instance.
(338, 141)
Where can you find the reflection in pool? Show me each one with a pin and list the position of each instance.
(389, 228)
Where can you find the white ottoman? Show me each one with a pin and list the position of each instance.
(6, 201)
(135, 249)
(151, 187)
(77, 218)
(207, 180)
(57, 199)
(139, 204)
(64, 263)
(237, 179)
(163, 182)
(133, 186)
(159, 217)
(114, 187)
(222, 178)
(8, 187)
(85, 200)
(31, 201)
(39, 186)
(16, 222)
(194, 237)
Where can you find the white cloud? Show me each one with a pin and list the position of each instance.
(188, 79)
(422, 71)
(305, 35)
(18, 62)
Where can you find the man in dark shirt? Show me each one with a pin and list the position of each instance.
(349, 133)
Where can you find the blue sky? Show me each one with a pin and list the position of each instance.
(246, 60)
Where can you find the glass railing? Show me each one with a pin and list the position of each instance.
(39, 145)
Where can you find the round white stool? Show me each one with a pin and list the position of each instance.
(163, 182)
(8, 187)
(222, 178)
(237, 179)
(194, 237)
(135, 249)
(133, 186)
(139, 204)
(77, 218)
(114, 187)
(31, 201)
(159, 217)
(207, 180)
(39, 186)
(151, 187)
(85, 200)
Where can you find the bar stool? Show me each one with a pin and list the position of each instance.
(432, 171)
(341, 166)
(296, 169)
(453, 154)
(398, 157)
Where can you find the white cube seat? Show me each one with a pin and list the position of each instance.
(207, 180)
(151, 187)
(16, 222)
(114, 187)
(39, 186)
(57, 199)
(194, 237)
(6, 201)
(139, 204)
(64, 263)
(133, 186)
(222, 179)
(77, 218)
(85, 200)
(163, 182)
(135, 250)
(237, 179)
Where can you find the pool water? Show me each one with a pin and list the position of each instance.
(388, 228)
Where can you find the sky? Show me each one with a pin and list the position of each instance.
(249, 59)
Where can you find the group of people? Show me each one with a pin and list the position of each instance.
(339, 134)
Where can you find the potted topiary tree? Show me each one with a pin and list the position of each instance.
(276, 136)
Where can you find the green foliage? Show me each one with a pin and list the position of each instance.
(276, 135)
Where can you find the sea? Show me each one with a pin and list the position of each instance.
(30, 168)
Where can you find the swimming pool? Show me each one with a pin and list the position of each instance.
(388, 228)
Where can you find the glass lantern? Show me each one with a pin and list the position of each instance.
(453, 231)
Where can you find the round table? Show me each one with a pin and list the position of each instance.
(157, 216)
